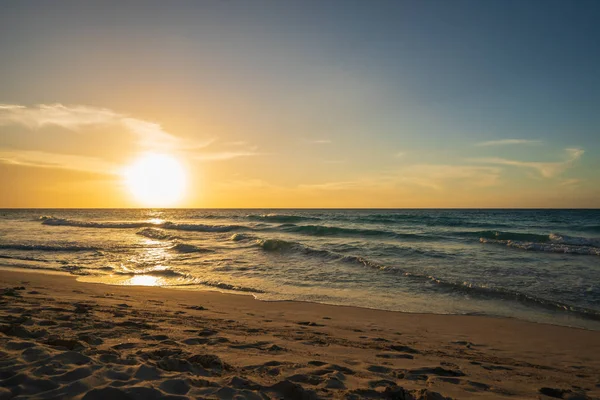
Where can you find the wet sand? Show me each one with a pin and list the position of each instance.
(60, 338)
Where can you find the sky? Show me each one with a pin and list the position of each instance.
(291, 104)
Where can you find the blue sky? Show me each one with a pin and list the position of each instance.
(312, 103)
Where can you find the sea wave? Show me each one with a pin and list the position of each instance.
(481, 290)
(501, 235)
(418, 220)
(23, 258)
(154, 233)
(325, 230)
(167, 273)
(546, 247)
(203, 227)
(590, 228)
(574, 240)
(281, 245)
(237, 237)
(142, 224)
(229, 286)
(47, 247)
(273, 245)
(91, 224)
(281, 218)
(188, 248)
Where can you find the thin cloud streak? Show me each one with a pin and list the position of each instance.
(505, 142)
(225, 155)
(436, 177)
(41, 159)
(545, 169)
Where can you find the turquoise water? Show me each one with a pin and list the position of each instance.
(537, 265)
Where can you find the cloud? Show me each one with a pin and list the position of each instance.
(41, 159)
(400, 154)
(438, 177)
(225, 155)
(342, 185)
(149, 135)
(505, 142)
(320, 141)
(441, 176)
(570, 182)
(546, 169)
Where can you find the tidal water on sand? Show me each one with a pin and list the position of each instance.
(537, 265)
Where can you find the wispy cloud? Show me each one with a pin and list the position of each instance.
(41, 159)
(505, 142)
(224, 155)
(429, 176)
(546, 169)
(442, 176)
(399, 154)
(147, 136)
(150, 135)
(570, 182)
(320, 141)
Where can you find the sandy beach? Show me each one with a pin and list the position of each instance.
(61, 338)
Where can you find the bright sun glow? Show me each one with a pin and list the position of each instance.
(156, 180)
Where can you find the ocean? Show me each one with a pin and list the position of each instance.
(535, 265)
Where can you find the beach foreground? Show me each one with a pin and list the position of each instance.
(66, 339)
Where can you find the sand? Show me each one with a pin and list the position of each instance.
(60, 338)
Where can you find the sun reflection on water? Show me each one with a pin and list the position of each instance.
(145, 280)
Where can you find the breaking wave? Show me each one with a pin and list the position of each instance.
(167, 273)
(124, 225)
(188, 248)
(90, 224)
(481, 291)
(499, 235)
(203, 227)
(154, 233)
(228, 286)
(44, 247)
(237, 237)
(553, 243)
(547, 247)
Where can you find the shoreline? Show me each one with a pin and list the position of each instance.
(81, 279)
(283, 348)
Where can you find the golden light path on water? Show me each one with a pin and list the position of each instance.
(145, 280)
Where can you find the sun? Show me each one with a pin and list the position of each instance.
(156, 180)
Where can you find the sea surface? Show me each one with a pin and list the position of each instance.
(536, 265)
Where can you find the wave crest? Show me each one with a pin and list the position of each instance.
(45, 247)
(142, 224)
(480, 290)
(188, 248)
(282, 218)
(324, 230)
(154, 233)
(167, 273)
(547, 247)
